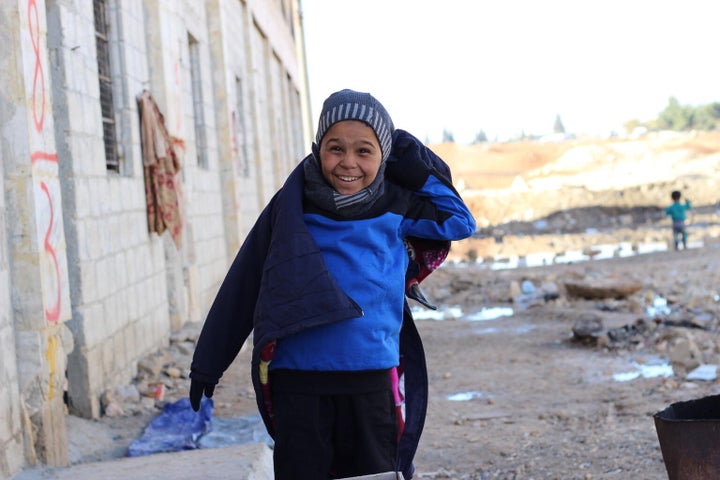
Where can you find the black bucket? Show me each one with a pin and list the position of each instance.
(689, 435)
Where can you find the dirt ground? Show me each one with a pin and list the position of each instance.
(523, 396)
(519, 397)
(548, 406)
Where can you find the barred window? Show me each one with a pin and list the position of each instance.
(240, 132)
(197, 102)
(107, 107)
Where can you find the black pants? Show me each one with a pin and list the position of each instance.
(319, 436)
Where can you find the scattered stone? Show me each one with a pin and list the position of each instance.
(185, 348)
(106, 398)
(113, 410)
(684, 354)
(588, 328)
(527, 300)
(151, 365)
(173, 372)
(629, 334)
(126, 393)
(605, 287)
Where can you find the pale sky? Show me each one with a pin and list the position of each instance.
(508, 66)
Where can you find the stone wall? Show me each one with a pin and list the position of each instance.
(35, 239)
(11, 441)
(86, 289)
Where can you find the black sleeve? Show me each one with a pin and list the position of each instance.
(230, 319)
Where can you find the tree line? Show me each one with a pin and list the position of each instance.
(682, 118)
(675, 116)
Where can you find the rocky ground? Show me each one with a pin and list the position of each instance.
(527, 380)
(553, 390)
(557, 338)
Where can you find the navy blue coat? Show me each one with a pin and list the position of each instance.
(278, 285)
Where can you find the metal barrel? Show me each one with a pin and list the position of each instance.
(689, 435)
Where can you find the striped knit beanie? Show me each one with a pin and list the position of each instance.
(351, 105)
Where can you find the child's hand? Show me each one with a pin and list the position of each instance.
(196, 392)
(408, 163)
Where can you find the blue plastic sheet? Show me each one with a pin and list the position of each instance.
(178, 427)
(225, 432)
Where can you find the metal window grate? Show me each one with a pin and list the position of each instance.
(107, 106)
(197, 102)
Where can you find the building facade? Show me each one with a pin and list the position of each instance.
(139, 140)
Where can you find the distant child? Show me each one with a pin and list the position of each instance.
(676, 211)
(337, 364)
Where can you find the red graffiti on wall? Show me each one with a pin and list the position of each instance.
(35, 157)
(52, 314)
(38, 74)
(38, 105)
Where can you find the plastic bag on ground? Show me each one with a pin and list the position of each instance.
(236, 431)
(178, 427)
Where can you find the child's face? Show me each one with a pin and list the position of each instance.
(350, 156)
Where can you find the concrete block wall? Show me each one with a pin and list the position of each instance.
(271, 45)
(11, 431)
(34, 240)
(259, 119)
(228, 24)
(117, 269)
(263, 147)
(186, 95)
(117, 291)
(259, 91)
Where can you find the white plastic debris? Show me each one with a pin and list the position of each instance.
(705, 372)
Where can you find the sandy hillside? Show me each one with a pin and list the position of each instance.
(532, 168)
(535, 190)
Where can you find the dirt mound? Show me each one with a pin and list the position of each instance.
(497, 165)
(527, 196)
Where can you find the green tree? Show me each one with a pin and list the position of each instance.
(447, 136)
(675, 116)
(680, 117)
(558, 127)
(480, 137)
(707, 117)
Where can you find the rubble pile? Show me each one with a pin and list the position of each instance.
(162, 377)
(621, 306)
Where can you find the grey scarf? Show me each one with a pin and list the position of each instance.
(320, 193)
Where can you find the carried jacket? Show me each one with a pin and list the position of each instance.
(278, 285)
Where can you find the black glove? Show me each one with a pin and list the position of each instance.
(406, 165)
(196, 392)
